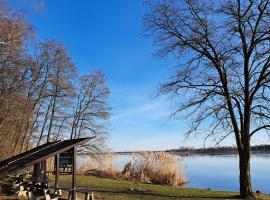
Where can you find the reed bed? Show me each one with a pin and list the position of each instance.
(155, 167)
(104, 165)
(145, 167)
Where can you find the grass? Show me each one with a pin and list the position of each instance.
(111, 189)
(121, 190)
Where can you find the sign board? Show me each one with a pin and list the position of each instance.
(65, 159)
(65, 163)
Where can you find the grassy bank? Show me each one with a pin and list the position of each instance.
(127, 190)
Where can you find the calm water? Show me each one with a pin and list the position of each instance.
(221, 172)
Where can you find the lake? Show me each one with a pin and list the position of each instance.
(220, 172)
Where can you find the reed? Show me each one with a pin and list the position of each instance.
(153, 167)
(102, 165)
(145, 167)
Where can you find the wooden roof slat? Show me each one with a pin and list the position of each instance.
(27, 153)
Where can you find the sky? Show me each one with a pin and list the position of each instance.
(108, 35)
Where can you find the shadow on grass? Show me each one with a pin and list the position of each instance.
(163, 195)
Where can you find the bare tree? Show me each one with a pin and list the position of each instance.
(224, 64)
(40, 97)
(91, 110)
(14, 35)
(58, 89)
(63, 71)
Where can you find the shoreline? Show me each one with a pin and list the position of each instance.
(129, 190)
(186, 154)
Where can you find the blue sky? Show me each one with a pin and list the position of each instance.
(108, 35)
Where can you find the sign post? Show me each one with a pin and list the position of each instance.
(74, 195)
(56, 170)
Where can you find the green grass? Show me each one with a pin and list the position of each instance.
(120, 190)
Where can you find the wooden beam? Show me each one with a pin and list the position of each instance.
(56, 171)
(74, 183)
(44, 175)
(57, 149)
(36, 168)
(38, 177)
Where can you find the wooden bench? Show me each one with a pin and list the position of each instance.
(88, 193)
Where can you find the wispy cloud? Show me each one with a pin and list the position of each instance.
(147, 108)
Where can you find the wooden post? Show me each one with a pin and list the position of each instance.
(37, 172)
(56, 171)
(74, 186)
(44, 169)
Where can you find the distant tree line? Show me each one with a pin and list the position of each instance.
(219, 150)
(42, 96)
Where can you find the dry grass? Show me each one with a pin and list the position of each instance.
(50, 164)
(104, 164)
(145, 167)
(152, 167)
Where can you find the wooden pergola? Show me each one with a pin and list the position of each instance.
(37, 157)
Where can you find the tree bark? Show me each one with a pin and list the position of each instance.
(245, 179)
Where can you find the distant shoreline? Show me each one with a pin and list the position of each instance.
(258, 149)
(194, 154)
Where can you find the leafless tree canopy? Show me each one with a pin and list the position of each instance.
(91, 109)
(224, 65)
(40, 98)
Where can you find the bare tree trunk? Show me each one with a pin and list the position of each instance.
(44, 124)
(245, 179)
(54, 99)
(51, 119)
(26, 132)
(59, 130)
(244, 157)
